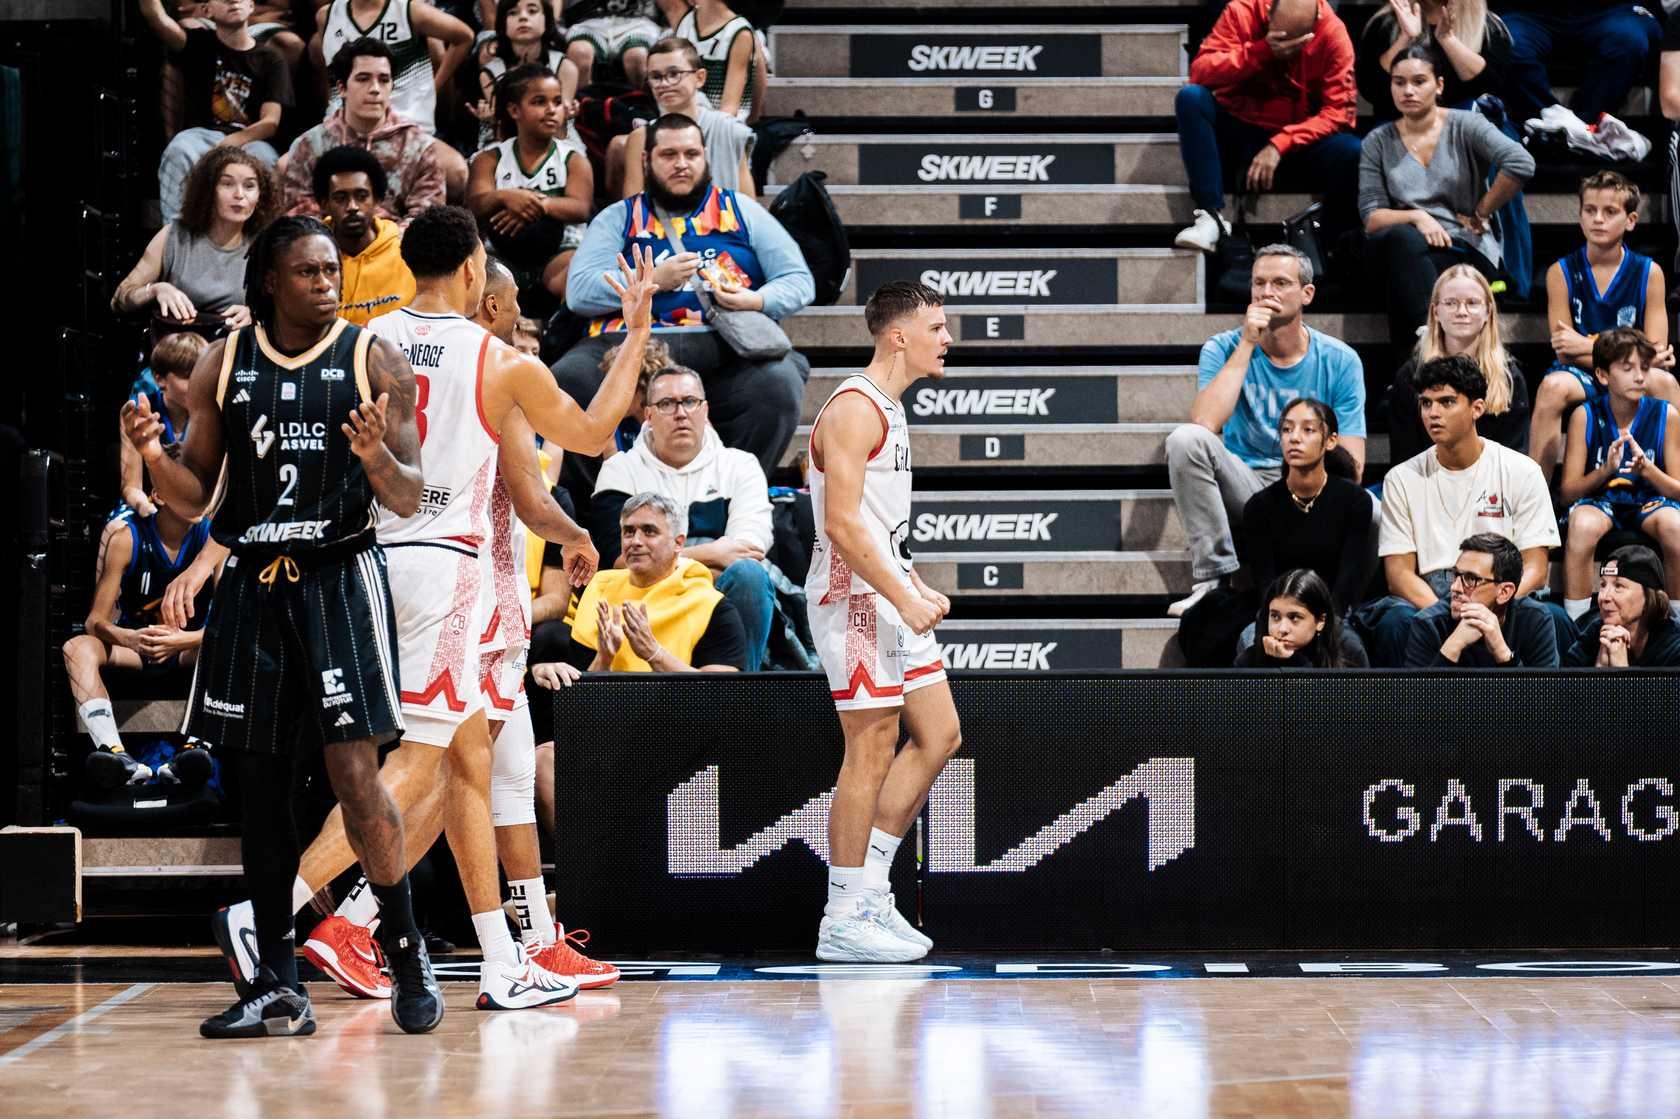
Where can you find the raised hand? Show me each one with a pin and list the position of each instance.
(1407, 17)
(639, 632)
(635, 292)
(611, 634)
(143, 428)
(366, 428)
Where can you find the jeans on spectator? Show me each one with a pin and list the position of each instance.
(1385, 622)
(1410, 266)
(1620, 43)
(746, 584)
(1214, 144)
(187, 148)
(754, 405)
(1210, 487)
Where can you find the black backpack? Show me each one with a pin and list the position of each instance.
(807, 213)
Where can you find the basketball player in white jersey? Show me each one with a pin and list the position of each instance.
(872, 618)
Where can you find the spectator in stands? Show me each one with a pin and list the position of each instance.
(1462, 486)
(660, 612)
(1484, 623)
(722, 493)
(367, 119)
(676, 75)
(274, 25)
(1271, 93)
(525, 34)
(232, 92)
(1310, 518)
(1600, 286)
(416, 30)
(527, 336)
(750, 264)
(613, 31)
(173, 359)
(730, 52)
(349, 182)
(193, 269)
(1463, 319)
(1230, 449)
(1421, 192)
(1668, 101)
(1615, 41)
(1634, 627)
(1299, 627)
(1472, 49)
(533, 190)
(1615, 470)
(138, 557)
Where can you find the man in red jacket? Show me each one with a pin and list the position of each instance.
(1271, 88)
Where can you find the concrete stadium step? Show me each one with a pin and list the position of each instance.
(997, 158)
(980, 5)
(997, 53)
(1033, 396)
(1062, 276)
(972, 98)
(1050, 326)
(160, 857)
(1060, 644)
(1022, 575)
(968, 206)
(1044, 521)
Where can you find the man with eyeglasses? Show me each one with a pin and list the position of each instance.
(722, 493)
(1482, 623)
(677, 74)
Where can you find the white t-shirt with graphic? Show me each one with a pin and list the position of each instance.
(1430, 510)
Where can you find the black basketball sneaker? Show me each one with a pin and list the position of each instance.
(271, 1010)
(416, 998)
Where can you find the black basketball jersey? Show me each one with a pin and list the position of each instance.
(293, 484)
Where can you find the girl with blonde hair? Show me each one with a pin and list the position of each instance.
(1463, 319)
(1472, 49)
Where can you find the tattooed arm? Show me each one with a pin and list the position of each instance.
(383, 432)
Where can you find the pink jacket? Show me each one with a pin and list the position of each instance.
(411, 165)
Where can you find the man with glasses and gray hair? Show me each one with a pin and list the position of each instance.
(720, 491)
(1230, 449)
(660, 611)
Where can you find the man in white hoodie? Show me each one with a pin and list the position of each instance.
(722, 491)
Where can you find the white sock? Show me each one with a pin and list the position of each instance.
(845, 890)
(360, 906)
(877, 861)
(530, 906)
(101, 724)
(301, 893)
(493, 938)
(1577, 607)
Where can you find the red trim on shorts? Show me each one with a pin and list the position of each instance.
(489, 633)
(925, 670)
(478, 391)
(495, 697)
(885, 426)
(443, 686)
(860, 679)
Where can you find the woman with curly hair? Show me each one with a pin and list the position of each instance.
(193, 271)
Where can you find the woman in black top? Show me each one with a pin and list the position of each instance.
(1634, 627)
(1471, 45)
(1310, 517)
(1298, 628)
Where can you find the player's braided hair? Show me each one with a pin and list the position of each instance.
(260, 261)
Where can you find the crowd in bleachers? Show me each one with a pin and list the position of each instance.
(1482, 485)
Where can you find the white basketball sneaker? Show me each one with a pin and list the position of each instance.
(521, 985)
(901, 926)
(865, 936)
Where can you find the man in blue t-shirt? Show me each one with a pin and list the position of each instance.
(1230, 449)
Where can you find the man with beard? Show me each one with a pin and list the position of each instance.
(712, 248)
(349, 183)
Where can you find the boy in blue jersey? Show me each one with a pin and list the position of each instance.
(1615, 470)
(138, 558)
(1603, 285)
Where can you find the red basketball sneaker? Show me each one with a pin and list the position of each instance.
(349, 955)
(562, 959)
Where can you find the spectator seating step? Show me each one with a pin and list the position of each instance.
(1034, 396)
(1009, 574)
(996, 158)
(1165, 277)
(161, 857)
(999, 54)
(1060, 644)
(1009, 6)
(149, 716)
(994, 98)
(1047, 325)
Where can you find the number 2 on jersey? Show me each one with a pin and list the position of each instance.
(289, 476)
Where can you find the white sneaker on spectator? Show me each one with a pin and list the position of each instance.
(1622, 141)
(1197, 593)
(1203, 234)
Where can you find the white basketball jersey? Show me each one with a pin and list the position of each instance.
(547, 177)
(457, 450)
(885, 506)
(504, 602)
(413, 94)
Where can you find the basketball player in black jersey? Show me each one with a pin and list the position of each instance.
(312, 419)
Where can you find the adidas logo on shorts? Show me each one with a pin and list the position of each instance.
(344, 720)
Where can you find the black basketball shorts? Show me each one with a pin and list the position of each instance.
(300, 650)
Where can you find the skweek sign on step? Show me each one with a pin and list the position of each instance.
(929, 53)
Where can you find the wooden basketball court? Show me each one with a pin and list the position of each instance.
(75, 1040)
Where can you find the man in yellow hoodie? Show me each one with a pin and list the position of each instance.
(349, 184)
(660, 612)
